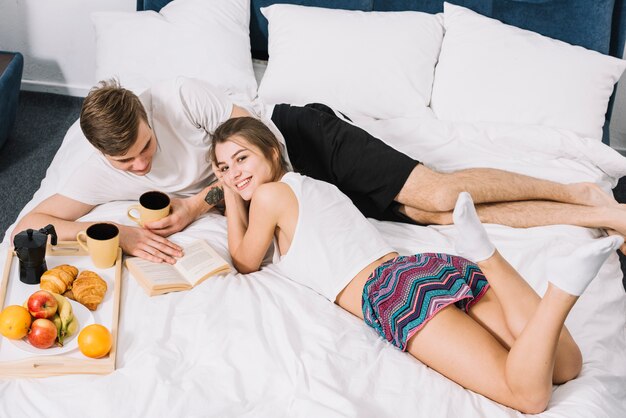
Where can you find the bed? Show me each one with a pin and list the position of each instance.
(260, 345)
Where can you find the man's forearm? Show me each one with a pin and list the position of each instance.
(66, 230)
(207, 199)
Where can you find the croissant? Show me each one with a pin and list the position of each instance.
(68, 269)
(89, 289)
(58, 279)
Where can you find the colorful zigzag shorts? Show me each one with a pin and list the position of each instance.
(404, 293)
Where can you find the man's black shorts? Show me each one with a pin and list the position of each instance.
(326, 147)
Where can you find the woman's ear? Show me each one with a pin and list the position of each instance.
(276, 166)
(276, 158)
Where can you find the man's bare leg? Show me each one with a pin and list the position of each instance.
(532, 213)
(429, 190)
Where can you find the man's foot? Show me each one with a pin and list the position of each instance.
(472, 241)
(573, 273)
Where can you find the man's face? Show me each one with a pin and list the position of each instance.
(138, 159)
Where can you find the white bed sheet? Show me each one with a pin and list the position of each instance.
(260, 345)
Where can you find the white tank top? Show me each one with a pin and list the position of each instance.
(332, 241)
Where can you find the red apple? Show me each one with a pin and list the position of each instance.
(42, 304)
(43, 333)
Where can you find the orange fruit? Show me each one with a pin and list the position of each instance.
(14, 322)
(95, 341)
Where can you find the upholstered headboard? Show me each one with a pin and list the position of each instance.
(598, 24)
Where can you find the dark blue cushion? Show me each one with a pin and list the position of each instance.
(618, 29)
(258, 23)
(155, 5)
(578, 22)
(599, 25)
(10, 83)
(593, 24)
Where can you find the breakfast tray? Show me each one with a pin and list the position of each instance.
(15, 362)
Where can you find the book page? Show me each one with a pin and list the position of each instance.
(157, 274)
(199, 261)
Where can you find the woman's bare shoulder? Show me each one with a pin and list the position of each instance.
(273, 195)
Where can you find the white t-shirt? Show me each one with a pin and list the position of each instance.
(183, 113)
(332, 242)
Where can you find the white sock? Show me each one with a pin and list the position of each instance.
(472, 241)
(573, 273)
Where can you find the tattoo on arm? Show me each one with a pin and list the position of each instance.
(214, 196)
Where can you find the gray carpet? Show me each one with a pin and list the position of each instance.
(42, 121)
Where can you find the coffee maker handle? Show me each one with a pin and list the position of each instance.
(49, 230)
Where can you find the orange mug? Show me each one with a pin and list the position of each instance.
(101, 241)
(152, 207)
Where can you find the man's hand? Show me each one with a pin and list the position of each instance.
(143, 243)
(183, 212)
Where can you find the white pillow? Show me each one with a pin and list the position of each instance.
(492, 72)
(377, 64)
(203, 39)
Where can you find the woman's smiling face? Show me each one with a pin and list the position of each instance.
(242, 166)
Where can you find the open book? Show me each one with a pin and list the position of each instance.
(199, 263)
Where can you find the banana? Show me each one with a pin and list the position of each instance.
(65, 313)
(57, 322)
(72, 327)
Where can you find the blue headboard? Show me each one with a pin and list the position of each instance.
(593, 24)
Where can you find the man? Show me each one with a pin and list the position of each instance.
(160, 140)
(386, 184)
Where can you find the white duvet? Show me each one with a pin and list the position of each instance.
(260, 345)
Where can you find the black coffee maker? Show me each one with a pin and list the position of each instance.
(30, 247)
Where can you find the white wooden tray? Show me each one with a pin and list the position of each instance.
(17, 363)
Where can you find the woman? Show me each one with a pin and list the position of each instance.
(497, 338)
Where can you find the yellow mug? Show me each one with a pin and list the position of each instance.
(152, 207)
(101, 241)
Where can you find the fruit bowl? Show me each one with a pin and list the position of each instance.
(84, 317)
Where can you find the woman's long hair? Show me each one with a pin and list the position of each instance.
(256, 133)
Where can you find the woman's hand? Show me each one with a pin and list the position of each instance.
(235, 205)
(230, 195)
(143, 243)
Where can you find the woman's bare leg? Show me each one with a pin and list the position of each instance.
(508, 306)
(458, 347)
(506, 321)
(514, 299)
(462, 349)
